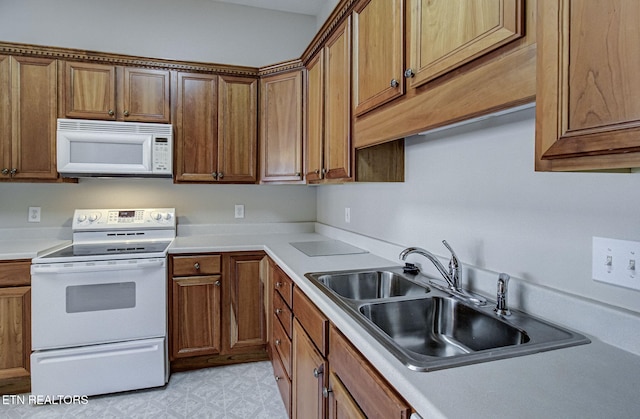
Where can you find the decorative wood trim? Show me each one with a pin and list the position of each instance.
(124, 60)
(283, 67)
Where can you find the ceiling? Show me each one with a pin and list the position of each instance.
(307, 7)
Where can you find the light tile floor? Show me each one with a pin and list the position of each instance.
(232, 392)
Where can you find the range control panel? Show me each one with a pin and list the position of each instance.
(115, 219)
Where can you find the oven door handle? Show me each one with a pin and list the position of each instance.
(66, 268)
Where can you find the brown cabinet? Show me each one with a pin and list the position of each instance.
(100, 91)
(341, 404)
(444, 35)
(244, 321)
(378, 53)
(15, 326)
(588, 84)
(216, 129)
(364, 386)
(217, 309)
(28, 110)
(195, 306)
(281, 127)
(328, 139)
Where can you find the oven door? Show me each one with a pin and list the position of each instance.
(85, 303)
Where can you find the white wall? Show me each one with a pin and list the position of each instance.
(475, 186)
(192, 30)
(195, 204)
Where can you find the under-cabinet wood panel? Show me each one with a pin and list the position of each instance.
(312, 320)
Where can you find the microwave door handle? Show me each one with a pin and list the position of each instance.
(61, 268)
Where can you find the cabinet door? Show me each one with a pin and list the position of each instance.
(15, 333)
(33, 114)
(337, 147)
(90, 91)
(281, 127)
(315, 118)
(5, 116)
(378, 53)
(195, 316)
(446, 34)
(244, 317)
(145, 95)
(237, 129)
(307, 379)
(341, 405)
(196, 132)
(587, 109)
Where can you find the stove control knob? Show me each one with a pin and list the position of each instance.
(93, 216)
(156, 216)
(167, 216)
(82, 218)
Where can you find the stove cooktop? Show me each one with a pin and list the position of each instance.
(110, 249)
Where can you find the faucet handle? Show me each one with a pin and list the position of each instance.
(501, 299)
(455, 268)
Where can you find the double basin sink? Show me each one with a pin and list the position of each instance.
(429, 329)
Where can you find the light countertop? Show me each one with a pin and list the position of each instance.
(588, 381)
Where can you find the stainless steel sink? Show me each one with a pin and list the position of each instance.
(428, 328)
(370, 285)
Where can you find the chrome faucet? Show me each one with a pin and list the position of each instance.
(453, 275)
(501, 299)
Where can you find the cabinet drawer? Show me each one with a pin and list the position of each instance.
(282, 345)
(312, 319)
(196, 265)
(283, 284)
(15, 273)
(282, 312)
(369, 390)
(283, 382)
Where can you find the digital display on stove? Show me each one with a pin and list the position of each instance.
(126, 214)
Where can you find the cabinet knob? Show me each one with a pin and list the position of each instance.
(298, 174)
(317, 372)
(220, 175)
(324, 171)
(111, 112)
(13, 172)
(196, 266)
(277, 378)
(278, 284)
(278, 311)
(325, 392)
(278, 342)
(126, 113)
(215, 175)
(317, 171)
(5, 171)
(394, 83)
(217, 283)
(408, 73)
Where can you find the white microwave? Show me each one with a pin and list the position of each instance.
(88, 148)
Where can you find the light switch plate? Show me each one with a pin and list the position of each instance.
(616, 262)
(239, 211)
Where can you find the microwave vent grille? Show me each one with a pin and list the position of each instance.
(79, 125)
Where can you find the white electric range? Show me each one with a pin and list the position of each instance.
(99, 314)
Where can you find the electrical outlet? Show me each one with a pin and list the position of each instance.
(34, 215)
(347, 215)
(239, 211)
(614, 262)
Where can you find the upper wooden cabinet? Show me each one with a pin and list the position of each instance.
(328, 144)
(588, 113)
(445, 34)
(99, 91)
(216, 129)
(281, 127)
(378, 53)
(28, 110)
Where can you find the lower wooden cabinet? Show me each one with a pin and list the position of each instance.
(216, 309)
(308, 377)
(341, 404)
(15, 326)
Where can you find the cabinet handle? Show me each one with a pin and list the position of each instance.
(13, 172)
(5, 171)
(324, 171)
(277, 378)
(217, 283)
(278, 342)
(317, 171)
(394, 83)
(220, 175)
(325, 392)
(297, 174)
(111, 112)
(317, 372)
(408, 73)
(196, 266)
(278, 284)
(126, 113)
(215, 175)
(278, 311)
